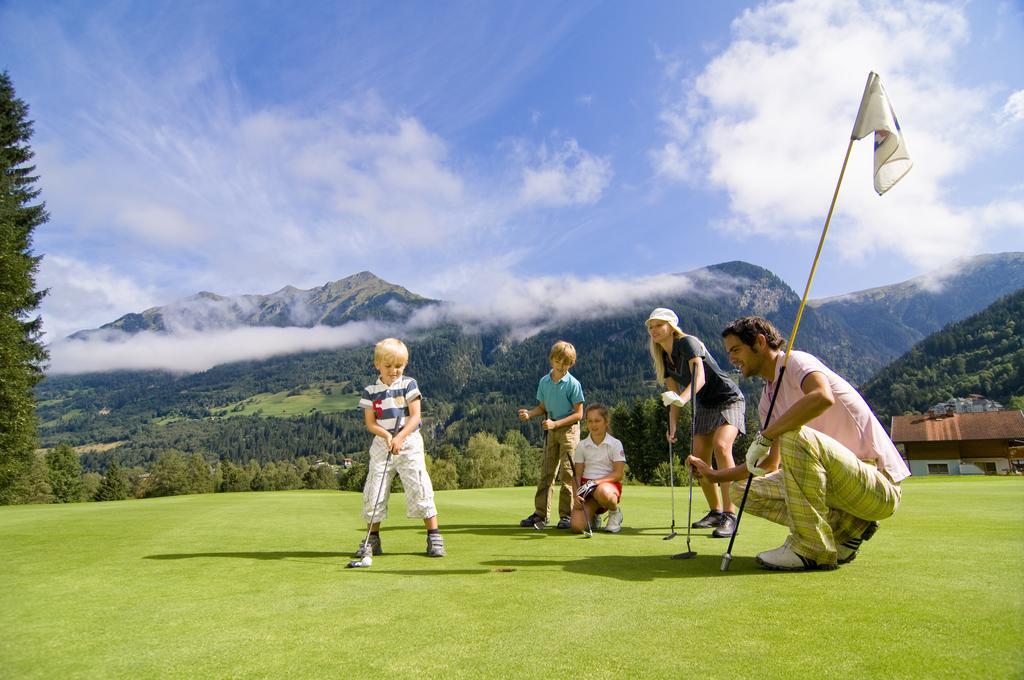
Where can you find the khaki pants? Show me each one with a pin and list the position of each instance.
(823, 493)
(559, 445)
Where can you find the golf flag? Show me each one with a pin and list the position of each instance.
(892, 161)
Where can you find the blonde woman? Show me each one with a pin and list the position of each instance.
(720, 408)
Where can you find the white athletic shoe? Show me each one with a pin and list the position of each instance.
(614, 524)
(785, 558)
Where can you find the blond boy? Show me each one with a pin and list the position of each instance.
(391, 412)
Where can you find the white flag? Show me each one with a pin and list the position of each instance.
(892, 161)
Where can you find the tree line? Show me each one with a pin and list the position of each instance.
(485, 461)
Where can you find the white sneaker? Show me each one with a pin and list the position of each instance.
(785, 558)
(614, 524)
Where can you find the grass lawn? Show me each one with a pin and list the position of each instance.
(253, 585)
(283, 404)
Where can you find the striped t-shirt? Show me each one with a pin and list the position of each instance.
(390, 403)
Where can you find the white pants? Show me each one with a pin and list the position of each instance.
(411, 467)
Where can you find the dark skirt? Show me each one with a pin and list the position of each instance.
(710, 418)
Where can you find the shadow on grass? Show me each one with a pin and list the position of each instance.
(270, 555)
(622, 567)
(527, 532)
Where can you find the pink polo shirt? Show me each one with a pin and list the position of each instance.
(849, 420)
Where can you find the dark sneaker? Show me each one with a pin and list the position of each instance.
(709, 520)
(373, 542)
(726, 527)
(435, 546)
(530, 521)
(785, 558)
(563, 523)
(847, 550)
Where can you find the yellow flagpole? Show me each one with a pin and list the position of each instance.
(727, 556)
(817, 255)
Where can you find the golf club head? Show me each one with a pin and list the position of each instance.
(364, 562)
(684, 555)
(726, 559)
(670, 536)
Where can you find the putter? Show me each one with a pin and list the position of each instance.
(539, 524)
(589, 533)
(672, 484)
(689, 476)
(367, 559)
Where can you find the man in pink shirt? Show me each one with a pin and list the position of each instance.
(840, 472)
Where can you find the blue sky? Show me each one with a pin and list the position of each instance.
(501, 154)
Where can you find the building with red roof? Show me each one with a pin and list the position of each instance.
(961, 443)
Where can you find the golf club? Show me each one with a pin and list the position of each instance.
(367, 559)
(670, 399)
(589, 533)
(689, 473)
(538, 525)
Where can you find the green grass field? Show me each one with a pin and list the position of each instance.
(253, 585)
(284, 404)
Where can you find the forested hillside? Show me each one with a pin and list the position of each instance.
(983, 354)
(883, 323)
(472, 381)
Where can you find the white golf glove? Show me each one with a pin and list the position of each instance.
(756, 453)
(670, 398)
(586, 489)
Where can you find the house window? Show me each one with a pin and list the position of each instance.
(988, 468)
(938, 468)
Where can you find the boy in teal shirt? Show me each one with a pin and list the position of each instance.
(560, 398)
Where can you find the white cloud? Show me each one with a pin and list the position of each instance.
(565, 176)
(83, 295)
(530, 305)
(193, 352)
(766, 122)
(1013, 110)
(518, 307)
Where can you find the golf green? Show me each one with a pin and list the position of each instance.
(254, 585)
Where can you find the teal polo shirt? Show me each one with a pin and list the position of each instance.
(560, 397)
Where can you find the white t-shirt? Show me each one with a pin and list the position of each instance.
(597, 459)
(849, 420)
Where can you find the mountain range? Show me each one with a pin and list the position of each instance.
(474, 378)
(358, 297)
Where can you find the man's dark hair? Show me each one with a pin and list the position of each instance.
(748, 328)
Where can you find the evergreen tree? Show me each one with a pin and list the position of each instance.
(65, 474)
(115, 485)
(21, 351)
(34, 487)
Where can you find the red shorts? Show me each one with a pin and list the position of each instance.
(618, 488)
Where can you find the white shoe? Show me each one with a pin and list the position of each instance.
(614, 524)
(785, 558)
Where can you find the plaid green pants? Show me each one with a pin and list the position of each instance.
(823, 493)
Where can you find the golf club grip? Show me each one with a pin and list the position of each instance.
(750, 477)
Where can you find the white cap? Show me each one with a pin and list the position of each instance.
(666, 315)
